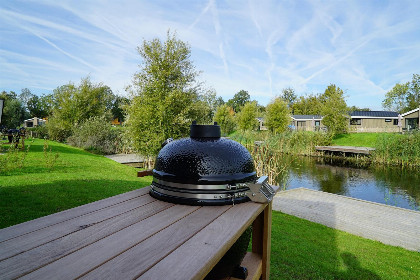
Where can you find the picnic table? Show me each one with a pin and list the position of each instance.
(134, 236)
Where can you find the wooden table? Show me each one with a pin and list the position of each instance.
(131, 236)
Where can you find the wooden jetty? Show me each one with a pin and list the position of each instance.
(387, 224)
(345, 149)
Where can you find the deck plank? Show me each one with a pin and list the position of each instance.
(30, 260)
(94, 255)
(134, 262)
(26, 242)
(46, 221)
(189, 262)
(387, 224)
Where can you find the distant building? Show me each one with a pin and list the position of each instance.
(261, 125)
(307, 122)
(360, 121)
(33, 122)
(374, 121)
(1, 108)
(116, 121)
(411, 120)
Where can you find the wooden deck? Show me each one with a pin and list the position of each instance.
(345, 149)
(387, 224)
(133, 236)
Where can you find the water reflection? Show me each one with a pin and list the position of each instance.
(391, 186)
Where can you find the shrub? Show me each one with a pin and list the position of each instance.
(58, 129)
(40, 131)
(13, 158)
(97, 135)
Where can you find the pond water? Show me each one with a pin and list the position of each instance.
(391, 186)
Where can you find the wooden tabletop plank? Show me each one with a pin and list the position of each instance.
(89, 257)
(134, 262)
(196, 257)
(26, 242)
(30, 226)
(33, 259)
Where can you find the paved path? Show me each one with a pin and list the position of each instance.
(125, 158)
(387, 224)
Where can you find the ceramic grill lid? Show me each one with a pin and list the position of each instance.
(206, 169)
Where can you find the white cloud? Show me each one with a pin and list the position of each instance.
(261, 46)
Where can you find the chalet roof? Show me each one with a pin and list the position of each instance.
(374, 114)
(307, 117)
(410, 112)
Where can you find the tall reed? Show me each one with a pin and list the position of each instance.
(271, 164)
(398, 149)
(291, 142)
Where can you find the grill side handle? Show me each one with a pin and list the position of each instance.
(260, 190)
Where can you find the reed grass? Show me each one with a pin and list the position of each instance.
(391, 148)
(291, 142)
(268, 150)
(398, 149)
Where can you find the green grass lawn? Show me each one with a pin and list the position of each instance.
(300, 249)
(304, 250)
(76, 178)
(356, 139)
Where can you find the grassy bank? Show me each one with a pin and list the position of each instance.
(47, 183)
(356, 139)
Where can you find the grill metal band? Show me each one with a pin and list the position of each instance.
(210, 196)
(198, 187)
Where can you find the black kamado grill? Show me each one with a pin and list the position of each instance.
(206, 169)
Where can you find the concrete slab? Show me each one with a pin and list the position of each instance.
(387, 224)
(126, 158)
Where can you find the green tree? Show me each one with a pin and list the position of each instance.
(117, 107)
(278, 115)
(165, 96)
(39, 106)
(225, 119)
(288, 94)
(307, 105)
(403, 97)
(356, 109)
(334, 110)
(239, 100)
(74, 104)
(13, 111)
(247, 117)
(24, 96)
(209, 102)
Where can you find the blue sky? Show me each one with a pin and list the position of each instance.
(364, 47)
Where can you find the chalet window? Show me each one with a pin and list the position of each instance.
(356, 121)
(395, 122)
(388, 120)
(317, 123)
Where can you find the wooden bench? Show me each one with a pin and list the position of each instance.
(133, 235)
